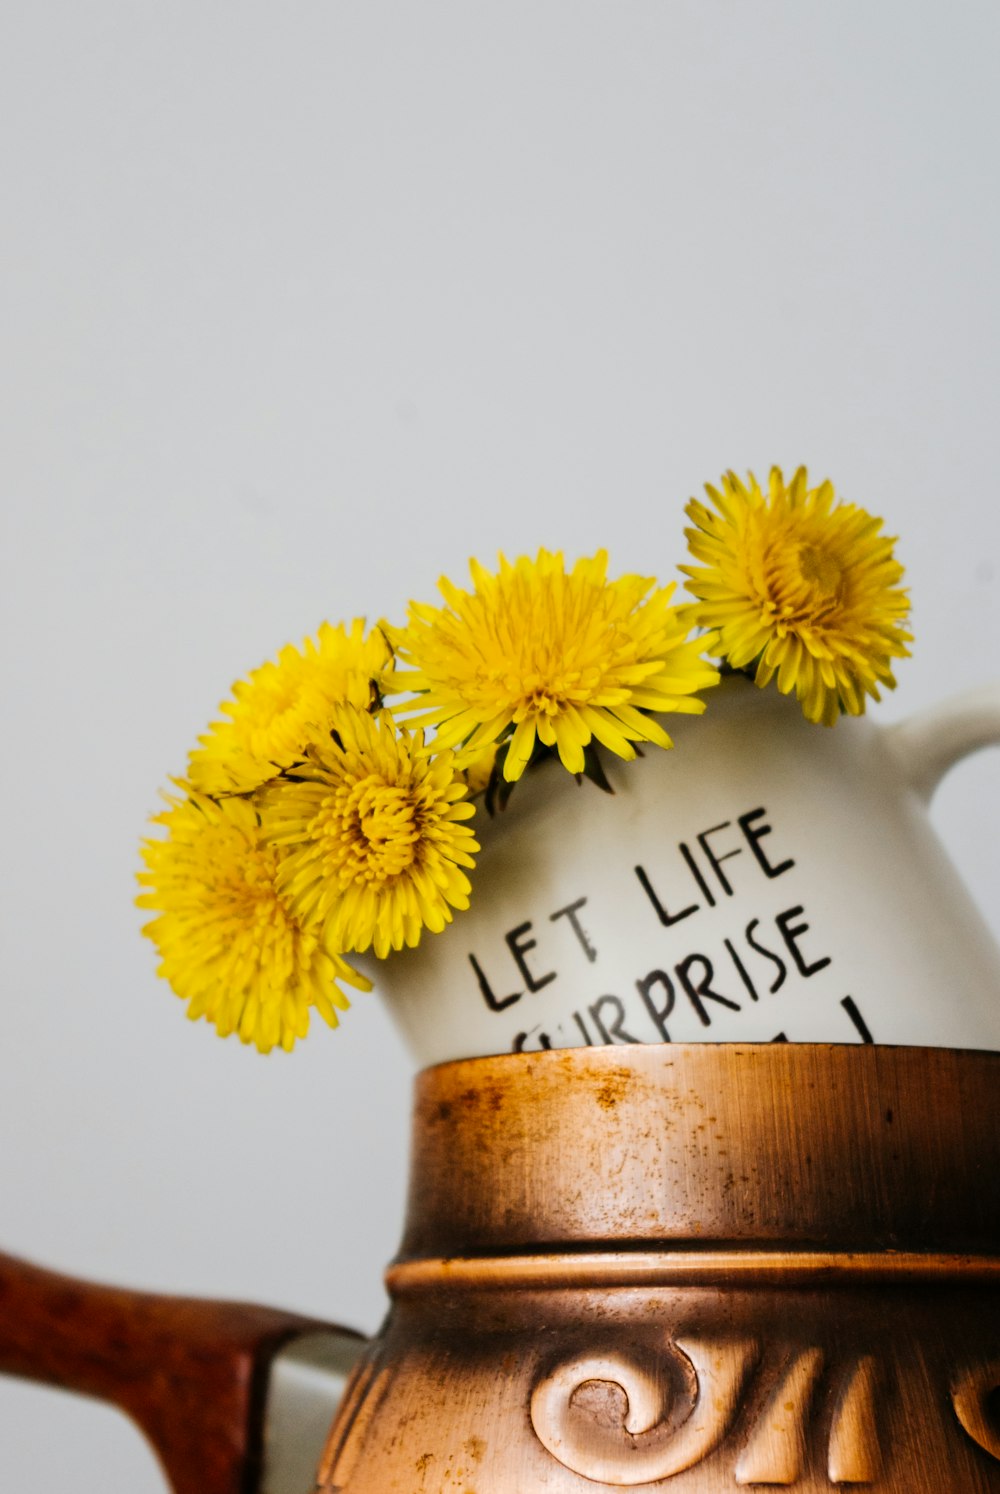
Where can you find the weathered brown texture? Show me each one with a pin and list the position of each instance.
(189, 1373)
(696, 1268)
(849, 1148)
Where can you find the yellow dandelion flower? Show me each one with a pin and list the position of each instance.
(229, 943)
(371, 836)
(537, 651)
(284, 705)
(801, 587)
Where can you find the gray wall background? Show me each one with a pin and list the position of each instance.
(302, 305)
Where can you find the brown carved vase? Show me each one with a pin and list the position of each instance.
(691, 1268)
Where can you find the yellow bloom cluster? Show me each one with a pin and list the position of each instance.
(230, 943)
(312, 824)
(795, 585)
(371, 835)
(310, 828)
(282, 707)
(539, 653)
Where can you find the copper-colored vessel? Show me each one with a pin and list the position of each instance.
(696, 1268)
(667, 1267)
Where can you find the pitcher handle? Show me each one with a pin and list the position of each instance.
(191, 1374)
(925, 746)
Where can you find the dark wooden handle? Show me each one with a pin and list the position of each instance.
(192, 1374)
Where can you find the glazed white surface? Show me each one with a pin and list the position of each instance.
(763, 879)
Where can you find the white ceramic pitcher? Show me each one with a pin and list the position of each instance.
(767, 879)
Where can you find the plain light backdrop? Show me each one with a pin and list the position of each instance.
(301, 306)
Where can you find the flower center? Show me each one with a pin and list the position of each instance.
(537, 698)
(246, 907)
(378, 830)
(247, 890)
(801, 585)
(544, 687)
(819, 568)
(278, 706)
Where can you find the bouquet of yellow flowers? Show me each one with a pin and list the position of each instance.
(327, 811)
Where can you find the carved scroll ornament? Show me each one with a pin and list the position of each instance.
(627, 1432)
